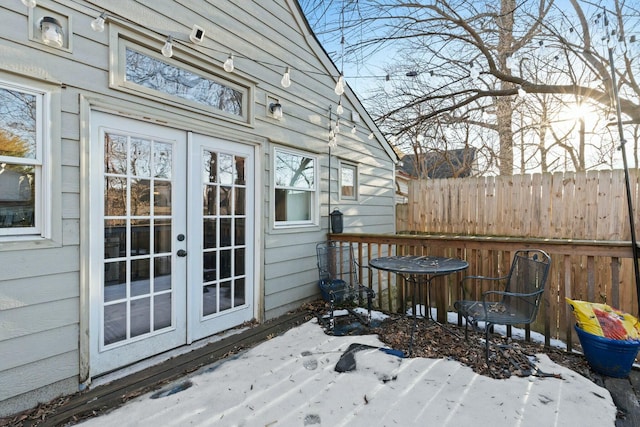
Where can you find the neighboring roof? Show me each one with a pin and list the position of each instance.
(439, 164)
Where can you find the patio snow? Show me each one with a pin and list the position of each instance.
(290, 380)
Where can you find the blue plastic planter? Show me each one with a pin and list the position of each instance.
(613, 358)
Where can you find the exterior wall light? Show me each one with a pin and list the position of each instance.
(275, 108)
(51, 30)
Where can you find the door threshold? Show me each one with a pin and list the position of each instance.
(158, 359)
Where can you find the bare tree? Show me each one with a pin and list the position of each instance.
(467, 58)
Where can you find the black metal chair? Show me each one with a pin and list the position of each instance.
(339, 284)
(518, 299)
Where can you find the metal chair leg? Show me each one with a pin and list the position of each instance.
(486, 341)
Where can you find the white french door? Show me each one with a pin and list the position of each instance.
(221, 229)
(171, 257)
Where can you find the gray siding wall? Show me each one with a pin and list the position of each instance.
(41, 288)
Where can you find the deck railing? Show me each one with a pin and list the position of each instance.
(597, 271)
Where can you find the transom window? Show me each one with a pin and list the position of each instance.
(21, 161)
(158, 75)
(295, 188)
(183, 81)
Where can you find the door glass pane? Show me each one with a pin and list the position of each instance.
(225, 232)
(162, 273)
(209, 167)
(226, 300)
(225, 264)
(115, 323)
(140, 316)
(162, 311)
(239, 202)
(115, 154)
(209, 233)
(162, 236)
(239, 292)
(115, 280)
(162, 198)
(115, 238)
(210, 300)
(115, 199)
(210, 202)
(240, 178)
(140, 197)
(225, 201)
(226, 169)
(140, 277)
(239, 262)
(140, 238)
(239, 231)
(209, 266)
(140, 157)
(162, 160)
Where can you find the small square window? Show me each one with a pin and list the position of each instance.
(348, 181)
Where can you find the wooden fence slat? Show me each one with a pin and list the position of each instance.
(572, 205)
(556, 206)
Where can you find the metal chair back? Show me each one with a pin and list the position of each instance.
(525, 285)
(336, 262)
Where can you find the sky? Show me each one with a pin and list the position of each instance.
(291, 380)
(365, 71)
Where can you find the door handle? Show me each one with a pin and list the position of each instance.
(181, 253)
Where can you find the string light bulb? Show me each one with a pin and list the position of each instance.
(339, 109)
(333, 142)
(29, 3)
(97, 24)
(286, 78)
(339, 90)
(167, 49)
(354, 129)
(371, 136)
(337, 128)
(228, 64)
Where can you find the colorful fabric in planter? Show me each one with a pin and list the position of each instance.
(605, 321)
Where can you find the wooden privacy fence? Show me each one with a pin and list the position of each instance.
(582, 205)
(586, 270)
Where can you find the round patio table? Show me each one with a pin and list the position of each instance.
(417, 270)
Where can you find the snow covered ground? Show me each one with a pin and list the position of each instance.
(291, 380)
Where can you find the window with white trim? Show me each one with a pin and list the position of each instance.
(183, 81)
(348, 181)
(22, 161)
(295, 198)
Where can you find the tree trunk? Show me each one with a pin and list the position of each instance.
(504, 104)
